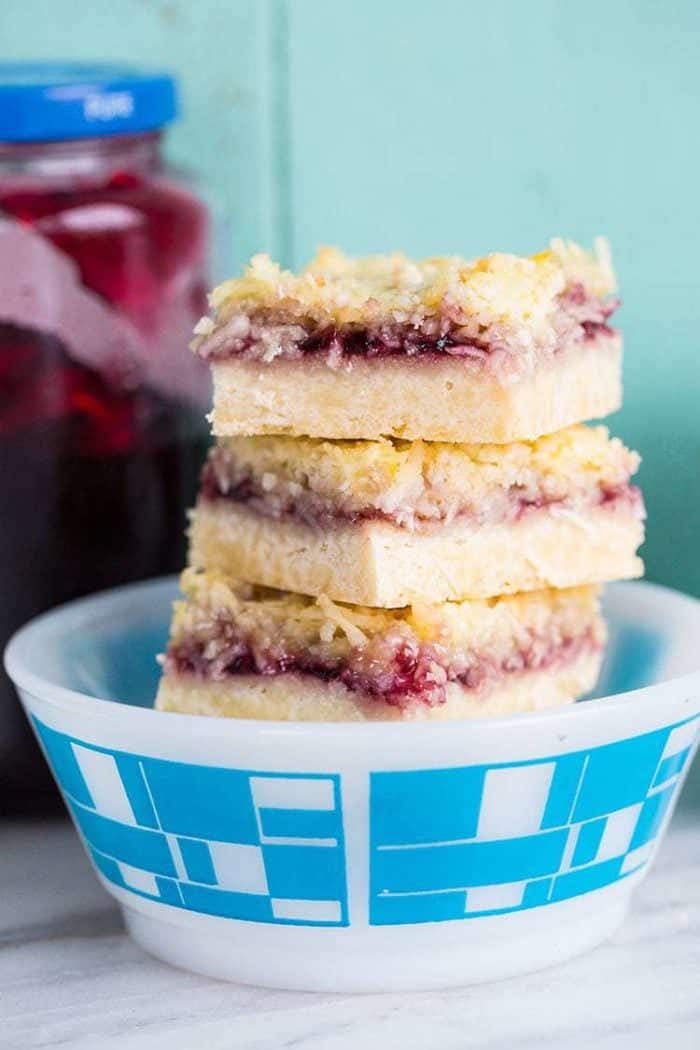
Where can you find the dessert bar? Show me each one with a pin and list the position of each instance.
(493, 350)
(249, 652)
(388, 522)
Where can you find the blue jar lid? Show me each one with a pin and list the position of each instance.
(47, 101)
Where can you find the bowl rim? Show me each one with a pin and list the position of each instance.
(24, 678)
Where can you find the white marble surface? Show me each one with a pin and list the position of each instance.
(69, 977)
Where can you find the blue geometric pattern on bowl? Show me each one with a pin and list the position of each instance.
(452, 843)
(261, 846)
(478, 840)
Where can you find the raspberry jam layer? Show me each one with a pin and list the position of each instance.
(393, 669)
(578, 317)
(223, 480)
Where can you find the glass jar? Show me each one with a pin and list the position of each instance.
(103, 274)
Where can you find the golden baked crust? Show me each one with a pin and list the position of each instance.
(378, 564)
(432, 400)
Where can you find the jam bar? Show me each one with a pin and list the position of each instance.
(387, 523)
(244, 651)
(498, 349)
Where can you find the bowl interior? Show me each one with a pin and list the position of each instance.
(106, 646)
(115, 656)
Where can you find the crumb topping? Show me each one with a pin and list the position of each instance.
(402, 656)
(381, 305)
(337, 289)
(414, 484)
(298, 621)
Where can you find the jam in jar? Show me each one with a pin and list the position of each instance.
(103, 272)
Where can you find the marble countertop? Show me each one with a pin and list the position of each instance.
(70, 977)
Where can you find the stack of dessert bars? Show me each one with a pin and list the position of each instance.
(403, 516)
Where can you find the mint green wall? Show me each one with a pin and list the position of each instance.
(454, 125)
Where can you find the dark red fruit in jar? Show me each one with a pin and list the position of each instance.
(99, 453)
(132, 238)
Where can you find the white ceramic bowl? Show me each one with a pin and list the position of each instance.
(363, 856)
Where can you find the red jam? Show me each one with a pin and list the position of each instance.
(396, 671)
(102, 430)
